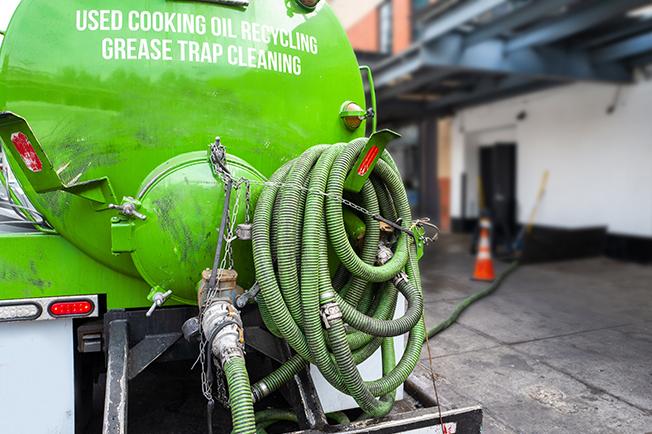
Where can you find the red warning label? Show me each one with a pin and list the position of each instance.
(368, 160)
(27, 152)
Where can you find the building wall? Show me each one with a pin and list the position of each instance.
(402, 17)
(362, 23)
(364, 34)
(351, 12)
(600, 164)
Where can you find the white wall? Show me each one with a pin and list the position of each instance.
(600, 165)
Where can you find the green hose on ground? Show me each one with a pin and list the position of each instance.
(336, 322)
(470, 300)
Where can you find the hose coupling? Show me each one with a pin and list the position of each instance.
(400, 277)
(223, 330)
(329, 312)
(384, 254)
(259, 390)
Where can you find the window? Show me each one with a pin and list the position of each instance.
(385, 27)
(417, 5)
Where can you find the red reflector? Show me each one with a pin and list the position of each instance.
(27, 152)
(71, 308)
(368, 160)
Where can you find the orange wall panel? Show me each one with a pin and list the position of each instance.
(402, 10)
(364, 34)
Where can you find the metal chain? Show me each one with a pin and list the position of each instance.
(217, 159)
(248, 202)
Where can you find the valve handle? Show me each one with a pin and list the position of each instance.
(157, 301)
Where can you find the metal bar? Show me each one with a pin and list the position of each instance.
(573, 23)
(115, 398)
(429, 185)
(544, 63)
(145, 352)
(461, 421)
(525, 14)
(625, 30)
(456, 17)
(265, 343)
(398, 67)
(508, 87)
(627, 48)
(423, 78)
(301, 394)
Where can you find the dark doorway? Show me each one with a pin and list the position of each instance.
(498, 192)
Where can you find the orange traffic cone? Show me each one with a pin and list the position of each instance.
(484, 265)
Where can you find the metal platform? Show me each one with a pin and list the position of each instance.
(134, 342)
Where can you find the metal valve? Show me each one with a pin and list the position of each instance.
(157, 301)
(242, 300)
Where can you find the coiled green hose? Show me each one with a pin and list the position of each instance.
(298, 221)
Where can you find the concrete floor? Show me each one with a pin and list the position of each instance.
(561, 347)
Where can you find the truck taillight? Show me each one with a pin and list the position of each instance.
(19, 312)
(71, 308)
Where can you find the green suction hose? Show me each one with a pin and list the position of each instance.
(242, 405)
(468, 301)
(298, 219)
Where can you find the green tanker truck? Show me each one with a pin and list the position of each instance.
(201, 181)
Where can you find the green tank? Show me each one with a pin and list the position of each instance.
(187, 150)
(117, 95)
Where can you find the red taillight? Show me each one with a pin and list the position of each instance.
(71, 308)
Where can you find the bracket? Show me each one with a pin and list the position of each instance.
(367, 159)
(23, 145)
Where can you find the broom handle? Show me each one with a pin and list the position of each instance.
(542, 191)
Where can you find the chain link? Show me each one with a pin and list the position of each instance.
(248, 202)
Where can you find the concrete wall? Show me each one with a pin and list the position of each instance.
(600, 164)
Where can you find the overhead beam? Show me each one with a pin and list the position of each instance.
(489, 90)
(630, 47)
(450, 53)
(573, 23)
(457, 16)
(399, 67)
(625, 30)
(544, 63)
(519, 17)
(422, 79)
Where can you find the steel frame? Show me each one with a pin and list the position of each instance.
(133, 342)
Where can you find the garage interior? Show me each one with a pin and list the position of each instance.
(536, 113)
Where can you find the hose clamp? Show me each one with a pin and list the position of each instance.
(327, 297)
(384, 254)
(260, 391)
(330, 312)
(400, 277)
